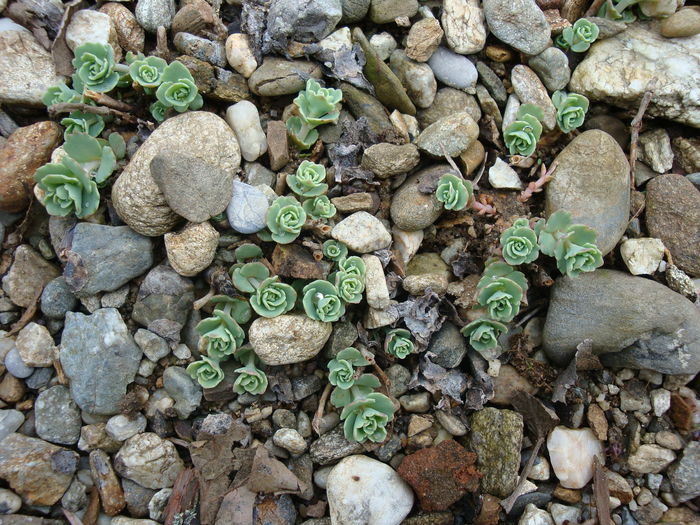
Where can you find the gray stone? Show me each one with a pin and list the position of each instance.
(303, 21)
(518, 23)
(29, 273)
(212, 51)
(530, 90)
(277, 76)
(416, 77)
(463, 22)
(362, 104)
(399, 376)
(153, 346)
(183, 389)
(449, 101)
(618, 70)
(57, 417)
(633, 322)
(552, 66)
(493, 83)
(57, 299)
(10, 421)
(100, 358)
(376, 290)
(384, 44)
(362, 233)
(413, 210)
(304, 386)
(136, 196)
(344, 335)
(419, 403)
(156, 507)
(655, 150)
(153, 13)
(283, 418)
(103, 258)
(289, 338)
(386, 11)
(685, 473)
(289, 439)
(148, 460)
(10, 503)
(164, 301)
(332, 446)
(354, 10)
(193, 188)
(386, 160)
(592, 183)
(453, 70)
(137, 498)
(448, 345)
(247, 208)
(496, 437)
(15, 366)
(451, 135)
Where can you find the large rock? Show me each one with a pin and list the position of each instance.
(100, 357)
(463, 22)
(26, 69)
(103, 258)
(286, 339)
(136, 196)
(634, 322)
(592, 183)
(518, 23)
(673, 215)
(618, 70)
(28, 275)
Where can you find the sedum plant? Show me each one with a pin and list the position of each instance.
(483, 335)
(247, 252)
(519, 243)
(97, 156)
(578, 37)
(500, 291)
(177, 89)
(66, 188)
(353, 265)
(95, 68)
(309, 180)
(221, 334)
(335, 250)
(620, 9)
(342, 368)
(317, 106)
(322, 301)
(285, 217)
(250, 378)
(249, 276)
(273, 298)
(319, 207)
(571, 110)
(398, 343)
(148, 72)
(60, 93)
(522, 135)
(206, 372)
(350, 286)
(454, 192)
(79, 122)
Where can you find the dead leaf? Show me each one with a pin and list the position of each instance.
(346, 153)
(271, 476)
(237, 507)
(479, 390)
(584, 359)
(62, 55)
(345, 64)
(601, 493)
(539, 419)
(422, 316)
(435, 378)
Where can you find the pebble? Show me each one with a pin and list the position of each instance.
(423, 39)
(115, 299)
(364, 490)
(451, 135)
(465, 30)
(10, 503)
(407, 242)
(36, 346)
(259, 175)
(153, 346)
(384, 44)
(535, 516)
(518, 23)
(362, 104)
(669, 440)
(507, 385)
(276, 76)
(107, 483)
(192, 249)
(387, 160)
(148, 460)
(448, 346)
(10, 421)
(574, 471)
(27, 70)
(244, 119)
(503, 177)
(201, 48)
(417, 403)
(247, 209)
(493, 83)
(417, 285)
(240, 55)
(193, 188)
(362, 233)
(156, 507)
(283, 418)
(183, 389)
(332, 446)
(130, 34)
(354, 11)
(592, 183)
(121, 427)
(99, 356)
(650, 459)
(29, 273)
(386, 11)
(417, 78)
(376, 290)
(449, 101)
(684, 475)
(277, 145)
(655, 150)
(87, 25)
(683, 23)
(57, 417)
(12, 390)
(290, 439)
(530, 90)
(673, 216)
(153, 13)
(289, 338)
(348, 204)
(15, 365)
(123, 520)
(413, 210)
(451, 423)
(453, 70)
(552, 66)
(642, 256)
(303, 21)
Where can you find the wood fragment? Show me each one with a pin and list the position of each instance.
(508, 503)
(316, 423)
(93, 509)
(636, 126)
(72, 518)
(67, 107)
(601, 493)
(594, 7)
(27, 314)
(61, 53)
(103, 99)
(184, 495)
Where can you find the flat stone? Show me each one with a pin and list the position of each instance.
(348, 204)
(650, 459)
(451, 135)
(210, 51)
(492, 82)
(277, 144)
(530, 90)
(447, 102)
(552, 66)
(293, 260)
(362, 104)
(453, 70)
(148, 460)
(192, 249)
(362, 233)
(290, 338)
(518, 23)
(386, 160)
(376, 290)
(332, 446)
(57, 417)
(413, 210)
(423, 39)
(247, 209)
(448, 345)
(386, 11)
(10, 421)
(276, 76)
(27, 276)
(682, 23)
(465, 30)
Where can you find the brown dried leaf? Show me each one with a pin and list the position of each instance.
(583, 360)
(62, 55)
(237, 507)
(600, 491)
(271, 476)
(538, 418)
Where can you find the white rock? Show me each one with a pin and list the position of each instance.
(454, 70)
(384, 44)
(10, 503)
(561, 514)
(337, 41)
(148, 460)
(87, 25)
(362, 233)
(511, 111)
(535, 516)
(503, 177)
(240, 55)
(655, 150)
(660, 401)
(36, 346)
(540, 470)
(650, 459)
(464, 25)
(407, 243)
(376, 290)
(364, 491)
(571, 453)
(244, 119)
(289, 439)
(642, 256)
(248, 208)
(375, 318)
(289, 338)
(122, 427)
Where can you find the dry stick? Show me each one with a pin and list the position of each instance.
(72, 518)
(27, 315)
(103, 99)
(316, 423)
(636, 125)
(508, 503)
(67, 107)
(600, 491)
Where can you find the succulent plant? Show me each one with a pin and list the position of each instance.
(148, 71)
(398, 343)
(273, 298)
(238, 308)
(285, 217)
(248, 277)
(247, 252)
(335, 250)
(648, 8)
(519, 243)
(96, 156)
(309, 180)
(483, 334)
(454, 192)
(496, 269)
(206, 371)
(366, 418)
(94, 67)
(322, 301)
(521, 135)
(316, 106)
(177, 89)
(578, 37)
(573, 245)
(66, 188)
(501, 297)
(158, 110)
(221, 334)
(571, 110)
(350, 286)
(363, 385)
(250, 378)
(319, 207)
(353, 265)
(60, 93)
(342, 368)
(79, 122)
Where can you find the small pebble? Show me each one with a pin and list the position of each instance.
(15, 365)
(289, 439)
(10, 503)
(416, 402)
(121, 427)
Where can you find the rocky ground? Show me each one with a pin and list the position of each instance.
(587, 413)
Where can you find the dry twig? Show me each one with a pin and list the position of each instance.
(27, 315)
(636, 125)
(600, 491)
(536, 186)
(67, 107)
(103, 99)
(594, 7)
(318, 416)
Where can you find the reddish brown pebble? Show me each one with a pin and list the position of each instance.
(597, 422)
(107, 483)
(490, 511)
(681, 412)
(277, 146)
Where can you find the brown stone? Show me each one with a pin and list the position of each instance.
(28, 275)
(681, 516)
(473, 157)
(292, 260)
(687, 152)
(507, 385)
(277, 145)
(107, 483)
(499, 53)
(368, 202)
(597, 422)
(195, 18)
(130, 34)
(618, 487)
(27, 149)
(490, 511)
(423, 39)
(93, 437)
(440, 475)
(11, 389)
(572, 496)
(681, 412)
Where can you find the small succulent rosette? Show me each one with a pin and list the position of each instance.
(519, 243)
(285, 218)
(398, 343)
(578, 37)
(522, 135)
(454, 192)
(571, 110)
(342, 369)
(483, 334)
(316, 106)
